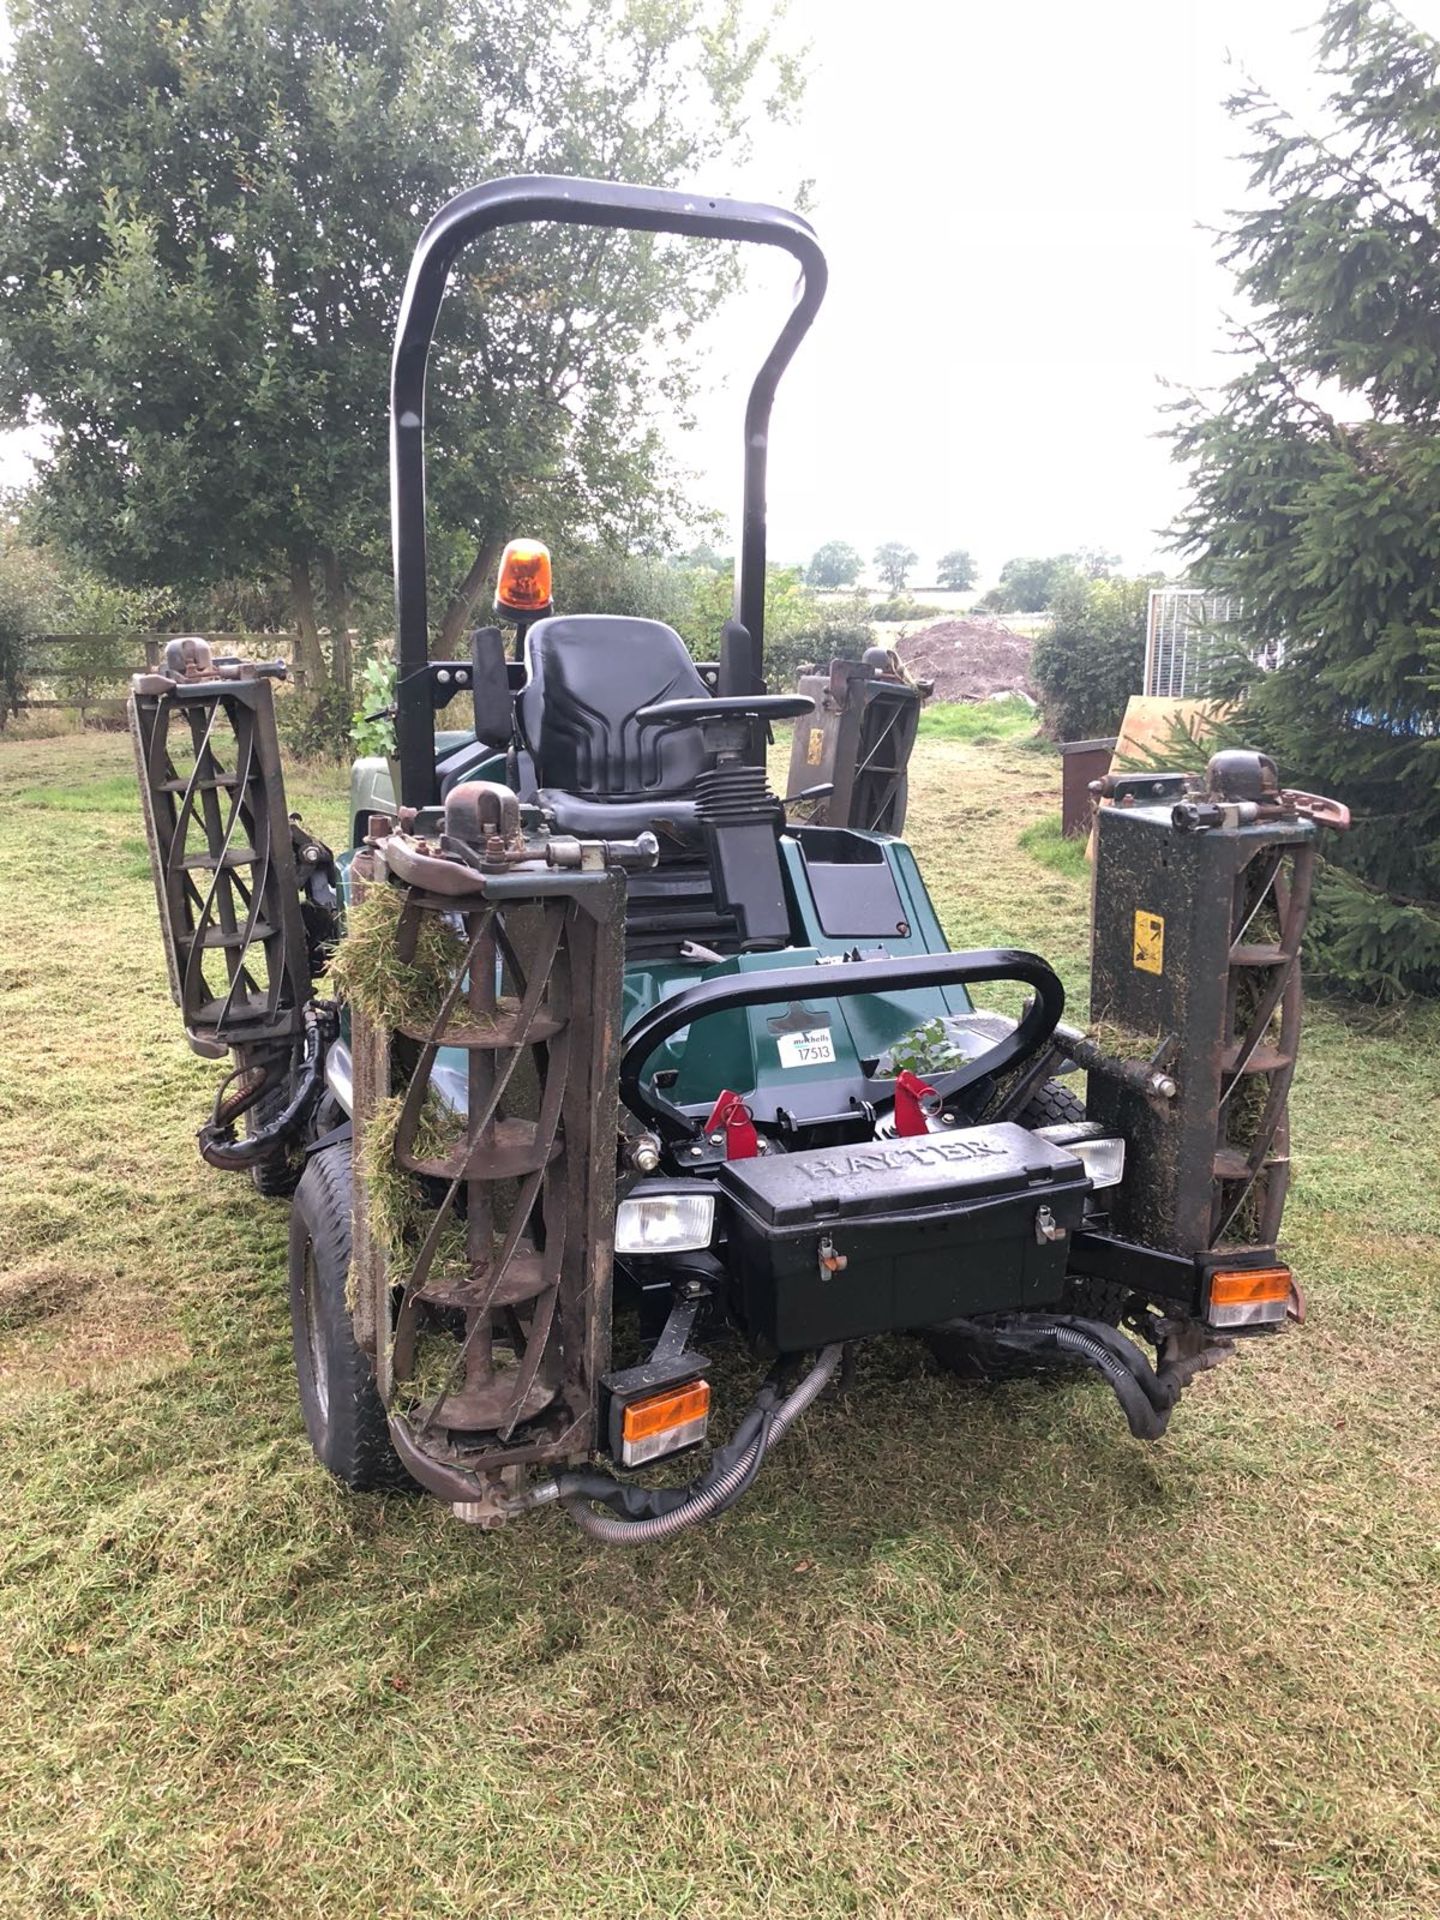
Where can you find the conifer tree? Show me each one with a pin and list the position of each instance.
(1316, 479)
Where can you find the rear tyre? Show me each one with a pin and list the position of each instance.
(343, 1415)
(1051, 1105)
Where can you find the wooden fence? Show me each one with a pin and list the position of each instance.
(87, 672)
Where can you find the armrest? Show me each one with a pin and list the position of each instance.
(736, 706)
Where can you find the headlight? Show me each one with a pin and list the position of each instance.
(1102, 1156)
(1104, 1160)
(664, 1222)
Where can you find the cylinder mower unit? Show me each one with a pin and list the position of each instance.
(247, 899)
(853, 754)
(1201, 893)
(484, 1112)
(615, 1048)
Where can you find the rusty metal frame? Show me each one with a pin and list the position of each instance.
(1208, 1136)
(222, 859)
(534, 1000)
(858, 713)
(1262, 1040)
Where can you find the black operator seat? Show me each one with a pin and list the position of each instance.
(598, 771)
(624, 735)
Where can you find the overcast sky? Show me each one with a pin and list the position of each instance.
(1011, 197)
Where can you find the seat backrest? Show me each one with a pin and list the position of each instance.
(588, 676)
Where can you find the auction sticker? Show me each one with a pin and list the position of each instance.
(813, 1048)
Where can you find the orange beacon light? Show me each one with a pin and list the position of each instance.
(524, 583)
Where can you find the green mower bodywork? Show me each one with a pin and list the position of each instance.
(738, 1049)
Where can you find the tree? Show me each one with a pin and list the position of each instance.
(1030, 585)
(205, 221)
(1092, 657)
(100, 620)
(893, 562)
(957, 570)
(836, 564)
(43, 594)
(1315, 477)
(29, 595)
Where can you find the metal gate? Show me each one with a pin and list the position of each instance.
(1182, 640)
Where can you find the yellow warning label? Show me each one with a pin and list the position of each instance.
(1149, 943)
(815, 747)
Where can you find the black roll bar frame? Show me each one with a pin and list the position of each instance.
(578, 202)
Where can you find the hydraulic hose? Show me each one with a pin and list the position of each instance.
(1145, 1396)
(218, 1142)
(710, 1495)
(1146, 1420)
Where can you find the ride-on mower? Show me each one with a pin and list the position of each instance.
(583, 1022)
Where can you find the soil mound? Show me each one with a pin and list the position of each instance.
(969, 659)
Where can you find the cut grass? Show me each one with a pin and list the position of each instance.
(980, 722)
(367, 971)
(959, 1653)
(1044, 841)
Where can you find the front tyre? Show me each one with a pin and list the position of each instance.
(343, 1415)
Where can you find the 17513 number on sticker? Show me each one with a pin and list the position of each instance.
(813, 1048)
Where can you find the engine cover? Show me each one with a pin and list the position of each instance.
(848, 1241)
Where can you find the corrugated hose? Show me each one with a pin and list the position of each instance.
(709, 1495)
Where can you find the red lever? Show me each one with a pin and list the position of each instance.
(910, 1090)
(731, 1116)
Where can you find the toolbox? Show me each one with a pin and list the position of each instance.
(847, 1241)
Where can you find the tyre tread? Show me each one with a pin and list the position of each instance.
(353, 1442)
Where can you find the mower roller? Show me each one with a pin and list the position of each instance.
(585, 1034)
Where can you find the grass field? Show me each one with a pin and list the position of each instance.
(960, 1653)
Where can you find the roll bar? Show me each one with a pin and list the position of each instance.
(586, 203)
